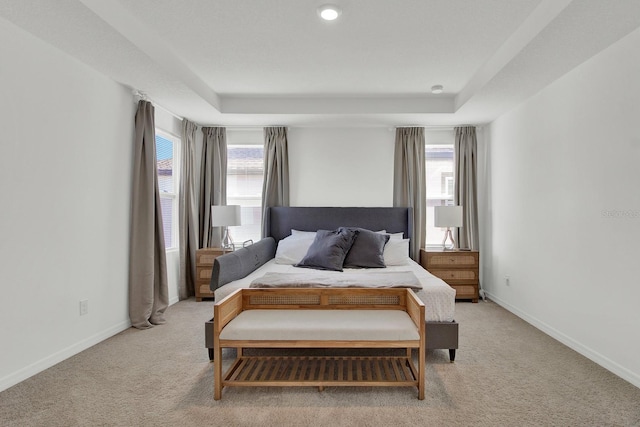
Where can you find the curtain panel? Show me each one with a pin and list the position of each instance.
(148, 286)
(188, 212)
(409, 182)
(466, 193)
(213, 183)
(275, 186)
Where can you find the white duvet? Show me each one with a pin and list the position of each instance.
(437, 296)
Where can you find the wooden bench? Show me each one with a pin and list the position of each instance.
(320, 318)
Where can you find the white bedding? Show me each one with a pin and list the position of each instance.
(437, 296)
(316, 279)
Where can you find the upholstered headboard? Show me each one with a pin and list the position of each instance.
(281, 220)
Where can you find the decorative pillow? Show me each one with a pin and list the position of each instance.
(367, 250)
(328, 250)
(396, 252)
(292, 249)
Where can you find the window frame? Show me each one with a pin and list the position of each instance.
(243, 137)
(439, 139)
(173, 196)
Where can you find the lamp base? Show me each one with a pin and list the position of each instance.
(448, 235)
(227, 241)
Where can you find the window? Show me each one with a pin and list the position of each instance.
(245, 167)
(440, 181)
(166, 157)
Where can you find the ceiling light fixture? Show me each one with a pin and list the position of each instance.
(329, 12)
(437, 89)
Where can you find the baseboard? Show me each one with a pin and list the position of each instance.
(49, 361)
(587, 352)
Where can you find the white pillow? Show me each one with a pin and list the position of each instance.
(392, 235)
(298, 233)
(396, 252)
(292, 249)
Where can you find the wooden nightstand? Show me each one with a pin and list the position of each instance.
(460, 269)
(204, 265)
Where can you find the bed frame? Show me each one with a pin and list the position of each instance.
(280, 221)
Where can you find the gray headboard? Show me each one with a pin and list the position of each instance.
(280, 220)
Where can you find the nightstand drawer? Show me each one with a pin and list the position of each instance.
(203, 274)
(207, 256)
(457, 260)
(456, 275)
(465, 292)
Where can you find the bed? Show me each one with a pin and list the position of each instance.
(251, 264)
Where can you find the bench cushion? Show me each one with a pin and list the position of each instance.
(321, 325)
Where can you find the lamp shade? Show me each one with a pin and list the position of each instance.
(448, 216)
(225, 216)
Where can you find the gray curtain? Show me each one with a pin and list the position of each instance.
(148, 289)
(275, 187)
(466, 194)
(188, 212)
(213, 183)
(409, 182)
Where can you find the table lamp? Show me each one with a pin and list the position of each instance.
(226, 216)
(448, 216)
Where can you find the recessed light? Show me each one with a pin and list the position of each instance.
(329, 12)
(437, 89)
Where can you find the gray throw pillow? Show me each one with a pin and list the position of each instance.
(367, 250)
(328, 250)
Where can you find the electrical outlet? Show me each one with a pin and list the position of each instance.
(84, 307)
(507, 280)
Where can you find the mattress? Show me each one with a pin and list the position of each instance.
(437, 296)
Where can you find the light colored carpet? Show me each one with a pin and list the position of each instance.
(506, 373)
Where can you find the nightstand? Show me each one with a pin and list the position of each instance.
(460, 269)
(204, 265)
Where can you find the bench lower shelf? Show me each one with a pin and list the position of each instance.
(321, 371)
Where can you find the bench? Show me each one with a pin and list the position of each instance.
(320, 318)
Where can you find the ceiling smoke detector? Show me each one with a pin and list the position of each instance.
(329, 12)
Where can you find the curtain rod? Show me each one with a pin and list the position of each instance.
(252, 127)
(142, 96)
(170, 112)
(442, 127)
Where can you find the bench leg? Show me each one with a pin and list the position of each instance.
(452, 355)
(217, 373)
(422, 354)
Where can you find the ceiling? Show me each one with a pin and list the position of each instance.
(274, 62)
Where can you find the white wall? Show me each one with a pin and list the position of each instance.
(65, 181)
(341, 167)
(563, 216)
